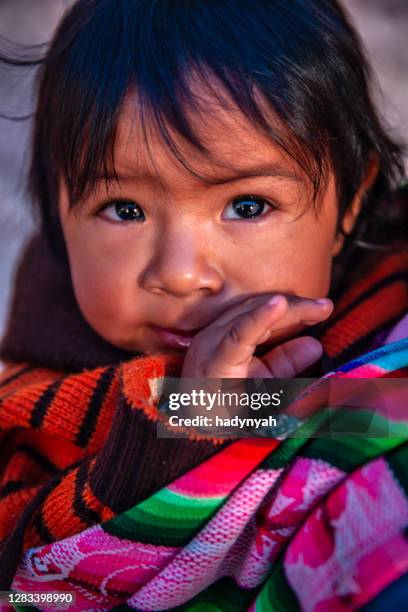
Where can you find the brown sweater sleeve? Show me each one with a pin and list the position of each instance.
(79, 449)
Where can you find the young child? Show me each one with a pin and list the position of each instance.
(208, 177)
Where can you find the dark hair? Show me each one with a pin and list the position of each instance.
(303, 57)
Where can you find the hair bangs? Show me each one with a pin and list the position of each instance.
(294, 69)
(100, 67)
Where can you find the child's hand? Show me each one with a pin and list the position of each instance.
(225, 349)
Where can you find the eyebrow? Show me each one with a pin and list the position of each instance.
(271, 170)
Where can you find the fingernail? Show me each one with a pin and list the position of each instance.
(324, 302)
(274, 301)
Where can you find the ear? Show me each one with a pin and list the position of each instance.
(351, 215)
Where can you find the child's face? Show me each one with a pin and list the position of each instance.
(201, 247)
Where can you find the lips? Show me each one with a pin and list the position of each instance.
(175, 338)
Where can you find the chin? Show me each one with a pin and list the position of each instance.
(119, 343)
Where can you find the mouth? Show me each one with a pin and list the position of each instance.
(175, 338)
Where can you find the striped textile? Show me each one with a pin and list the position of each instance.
(81, 509)
(261, 525)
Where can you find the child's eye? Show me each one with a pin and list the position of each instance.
(123, 210)
(247, 207)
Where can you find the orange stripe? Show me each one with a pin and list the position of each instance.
(139, 375)
(365, 317)
(66, 411)
(58, 509)
(62, 453)
(16, 409)
(96, 505)
(21, 467)
(11, 508)
(104, 421)
(38, 375)
(391, 264)
(11, 369)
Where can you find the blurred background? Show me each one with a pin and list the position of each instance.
(383, 25)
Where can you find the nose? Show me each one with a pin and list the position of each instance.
(182, 265)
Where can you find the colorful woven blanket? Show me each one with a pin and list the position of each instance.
(253, 524)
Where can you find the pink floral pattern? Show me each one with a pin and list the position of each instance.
(352, 528)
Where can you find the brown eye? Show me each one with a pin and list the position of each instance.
(123, 210)
(247, 207)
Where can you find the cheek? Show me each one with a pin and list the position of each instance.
(296, 259)
(309, 248)
(311, 263)
(104, 284)
(312, 258)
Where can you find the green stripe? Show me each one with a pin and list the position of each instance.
(290, 447)
(223, 596)
(172, 497)
(166, 518)
(158, 511)
(143, 530)
(348, 453)
(362, 423)
(323, 437)
(161, 523)
(277, 595)
(283, 454)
